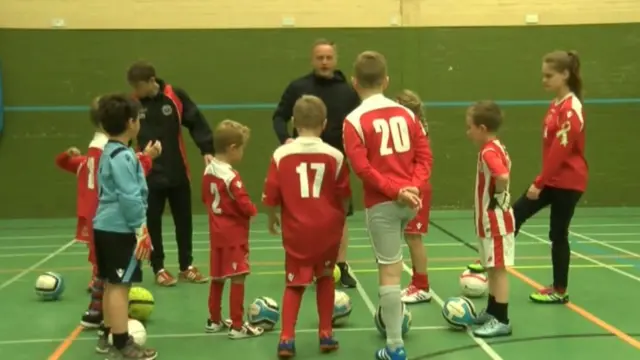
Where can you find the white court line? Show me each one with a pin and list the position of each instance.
(36, 265)
(584, 225)
(203, 334)
(605, 244)
(481, 343)
(591, 260)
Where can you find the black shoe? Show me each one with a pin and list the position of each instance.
(91, 319)
(346, 280)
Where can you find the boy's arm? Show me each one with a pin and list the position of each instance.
(240, 195)
(129, 191)
(146, 162)
(498, 169)
(193, 120)
(423, 157)
(343, 186)
(357, 154)
(271, 192)
(563, 140)
(70, 163)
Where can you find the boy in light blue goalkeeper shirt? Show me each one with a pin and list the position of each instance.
(120, 231)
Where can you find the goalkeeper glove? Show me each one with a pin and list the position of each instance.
(143, 243)
(503, 200)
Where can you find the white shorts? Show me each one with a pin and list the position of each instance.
(498, 251)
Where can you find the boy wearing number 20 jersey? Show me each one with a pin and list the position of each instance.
(309, 180)
(230, 211)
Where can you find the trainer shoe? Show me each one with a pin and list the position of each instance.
(483, 317)
(286, 348)
(164, 278)
(103, 346)
(213, 327)
(414, 295)
(549, 295)
(132, 351)
(493, 328)
(192, 275)
(387, 354)
(328, 343)
(245, 332)
(91, 319)
(476, 267)
(346, 279)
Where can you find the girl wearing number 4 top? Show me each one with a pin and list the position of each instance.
(564, 174)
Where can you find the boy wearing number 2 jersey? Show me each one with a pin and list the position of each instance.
(309, 180)
(85, 167)
(230, 211)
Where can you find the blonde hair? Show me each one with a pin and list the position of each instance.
(309, 112)
(412, 101)
(370, 70)
(228, 133)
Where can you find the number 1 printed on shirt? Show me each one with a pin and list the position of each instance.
(399, 131)
(303, 174)
(91, 167)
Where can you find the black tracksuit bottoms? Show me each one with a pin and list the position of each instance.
(563, 203)
(179, 198)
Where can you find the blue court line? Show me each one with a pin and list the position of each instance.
(271, 106)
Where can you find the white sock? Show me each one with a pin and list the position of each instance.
(392, 315)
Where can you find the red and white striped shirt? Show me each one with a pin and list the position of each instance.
(491, 220)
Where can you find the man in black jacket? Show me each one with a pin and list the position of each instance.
(165, 110)
(330, 85)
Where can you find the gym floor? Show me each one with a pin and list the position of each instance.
(605, 277)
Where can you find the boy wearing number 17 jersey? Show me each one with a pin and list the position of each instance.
(85, 167)
(230, 211)
(309, 180)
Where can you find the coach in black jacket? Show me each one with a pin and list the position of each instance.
(165, 110)
(330, 85)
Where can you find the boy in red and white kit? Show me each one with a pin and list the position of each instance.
(85, 167)
(493, 219)
(309, 180)
(230, 211)
(388, 150)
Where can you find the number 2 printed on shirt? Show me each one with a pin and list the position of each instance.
(303, 174)
(399, 131)
(215, 204)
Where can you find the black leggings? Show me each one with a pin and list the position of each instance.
(563, 204)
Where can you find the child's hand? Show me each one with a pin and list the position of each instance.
(153, 149)
(410, 199)
(73, 151)
(274, 225)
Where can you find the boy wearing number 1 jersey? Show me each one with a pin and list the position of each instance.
(230, 211)
(85, 167)
(309, 180)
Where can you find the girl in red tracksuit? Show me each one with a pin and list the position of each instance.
(564, 174)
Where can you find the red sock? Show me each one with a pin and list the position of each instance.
(290, 308)
(325, 298)
(215, 301)
(421, 281)
(236, 305)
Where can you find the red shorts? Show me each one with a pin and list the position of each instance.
(302, 273)
(84, 234)
(420, 223)
(229, 261)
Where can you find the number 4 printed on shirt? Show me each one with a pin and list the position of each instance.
(303, 174)
(399, 131)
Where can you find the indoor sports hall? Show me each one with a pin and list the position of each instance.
(235, 58)
(600, 322)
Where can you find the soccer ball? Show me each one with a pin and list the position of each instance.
(473, 284)
(264, 312)
(382, 329)
(49, 286)
(459, 312)
(341, 309)
(136, 331)
(141, 303)
(336, 274)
